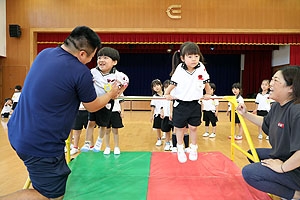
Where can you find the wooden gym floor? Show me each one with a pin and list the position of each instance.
(137, 135)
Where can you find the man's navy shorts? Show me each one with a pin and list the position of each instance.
(48, 175)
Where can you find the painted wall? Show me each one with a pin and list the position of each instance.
(201, 16)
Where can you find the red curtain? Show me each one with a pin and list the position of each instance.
(178, 38)
(295, 55)
(257, 68)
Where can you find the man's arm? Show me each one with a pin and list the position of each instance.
(100, 102)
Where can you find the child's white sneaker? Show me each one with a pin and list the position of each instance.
(212, 135)
(206, 134)
(193, 153)
(260, 136)
(187, 150)
(106, 151)
(164, 136)
(167, 146)
(74, 151)
(117, 151)
(71, 147)
(267, 138)
(86, 147)
(180, 154)
(174, 149)
(238, 137)
(98, 145)
(158, 143)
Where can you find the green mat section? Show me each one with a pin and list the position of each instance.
(95, 176)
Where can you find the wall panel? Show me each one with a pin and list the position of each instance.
(201, 16)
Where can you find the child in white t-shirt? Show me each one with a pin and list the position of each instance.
(6, 108)
(187, 83)
(210, 112)
(156, 106)
(236, 90)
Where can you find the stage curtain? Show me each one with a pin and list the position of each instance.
(257, 68)
(295, 55)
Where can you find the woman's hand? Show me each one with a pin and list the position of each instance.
(242, 109)
(274, 164)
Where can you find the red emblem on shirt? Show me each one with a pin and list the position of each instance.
(281, 125)
(200, 77)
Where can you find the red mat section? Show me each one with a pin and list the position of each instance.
(213, 176)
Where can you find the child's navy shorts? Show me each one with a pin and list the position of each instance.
(186, 112)
(48, 175)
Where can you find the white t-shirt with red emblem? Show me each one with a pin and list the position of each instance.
(189, 86)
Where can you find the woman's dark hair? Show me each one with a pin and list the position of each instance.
(291, 75)
(154, 83)
(83, 38)
(110, 52)
(191, 48)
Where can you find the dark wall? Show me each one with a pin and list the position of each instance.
(141, 69)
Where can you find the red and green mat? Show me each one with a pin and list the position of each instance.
(155, 176)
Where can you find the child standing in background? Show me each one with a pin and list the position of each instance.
(6, 108)
(16, 96)
(80, 122)
(115, 123)
(166, 125)
(236, 90)
(156, 106)
(263, 103)
(210, 112)
(188, 81)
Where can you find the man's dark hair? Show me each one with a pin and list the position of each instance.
(83, 38)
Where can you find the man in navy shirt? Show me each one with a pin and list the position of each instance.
(55, 85)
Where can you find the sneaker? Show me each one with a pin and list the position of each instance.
(74, 151)
(117, 151)
(212, 135)
(206, 134)
(193, 153)
(164, 136)
(167, 146)
(238, 137)
(180, 154)
(267, 138)
(260, 136)
(98, 145)
(71, 147)
(86, 147)
(106, 151)
(187, 150)
(158, 143)
(174, 149)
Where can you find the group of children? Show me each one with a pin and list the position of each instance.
(179, 112)
(11, 103)
(183, 106)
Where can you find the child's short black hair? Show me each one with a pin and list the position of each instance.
(7, 99)
(166, 83)
(155, 82)
(236, 85)
(18, 87)
(110, 52)
(213, 86)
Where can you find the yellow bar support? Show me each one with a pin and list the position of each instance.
(27, 183)
(234, 104)
(68, 159)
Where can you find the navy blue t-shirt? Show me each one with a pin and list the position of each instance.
(55, 85)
